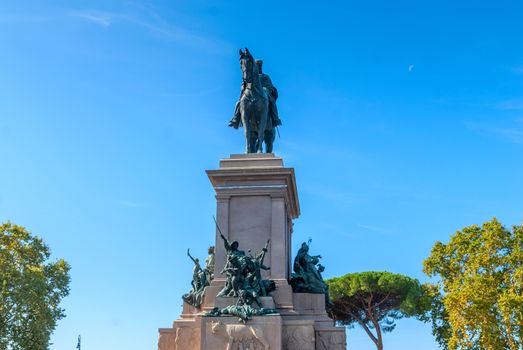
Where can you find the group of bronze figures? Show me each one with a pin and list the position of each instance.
(245, 283)
(201, 278)
(256, 109)
(307, 276)
(243, 274)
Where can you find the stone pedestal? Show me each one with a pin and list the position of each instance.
(256, 201)
(184, 335)
(298, 334)
(311, 307)
(262, 332)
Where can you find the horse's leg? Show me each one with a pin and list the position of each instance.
(269, 140)
(254, 142)
(246, 126)
(251, 140)
(254, 134)
(263, 123)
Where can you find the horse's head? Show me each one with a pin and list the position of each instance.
(247, 65)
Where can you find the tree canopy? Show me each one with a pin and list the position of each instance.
(31, 288)
(375, 300)
(478, 300)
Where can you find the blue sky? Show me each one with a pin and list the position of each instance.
(403, 121)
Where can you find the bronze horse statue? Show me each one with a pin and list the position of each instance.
(254, 107)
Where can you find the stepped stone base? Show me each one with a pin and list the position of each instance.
(305, 327)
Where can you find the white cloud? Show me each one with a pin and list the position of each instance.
(100, 18)
(411, 67)
(153, 23)
(509, 105)
(375, 229)
(513, 133)
(143, 18)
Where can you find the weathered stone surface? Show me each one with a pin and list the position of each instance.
(166, 339)
(227, 333)
(331, 339)
(256, 202)
(185, 338)
(189, 311)
(298, 335)
(309, 303)
(253, 160)
(211, 291)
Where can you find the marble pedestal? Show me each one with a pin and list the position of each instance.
(256, 201)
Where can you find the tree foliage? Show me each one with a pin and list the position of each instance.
(375, 300)
(478, 300)
(31, 289)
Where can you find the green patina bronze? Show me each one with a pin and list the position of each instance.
(201, 278)
(243, 274)
(244, 312)
(244, 283)
(307, 276)
(256, 109)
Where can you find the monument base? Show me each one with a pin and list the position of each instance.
(257, 200)
(310, 307)
(306, 326)
(262, 332)
(184, 335)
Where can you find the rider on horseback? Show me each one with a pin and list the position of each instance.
(272, 93)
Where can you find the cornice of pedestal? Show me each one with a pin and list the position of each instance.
(252, 160)
(256, 174)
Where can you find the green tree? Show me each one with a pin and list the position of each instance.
(31, 288)
(375, 300)
(478, 299)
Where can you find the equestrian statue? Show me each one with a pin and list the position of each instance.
(256, 109)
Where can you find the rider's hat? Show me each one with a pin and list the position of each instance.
(260, 62)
